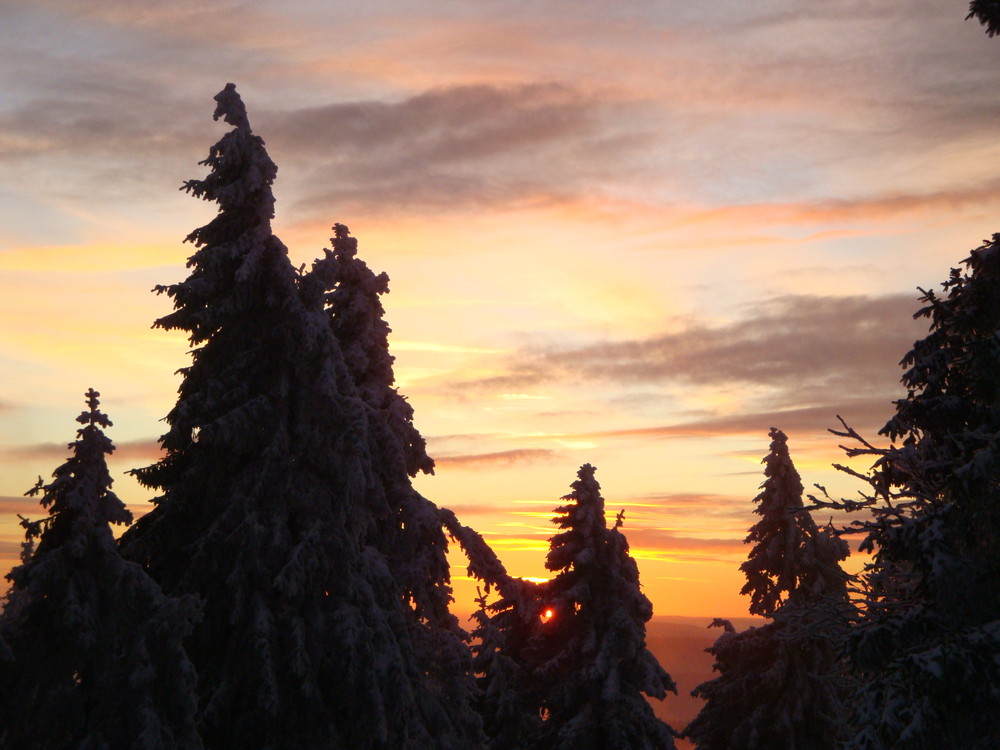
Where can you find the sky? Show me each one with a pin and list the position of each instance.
(633, 234)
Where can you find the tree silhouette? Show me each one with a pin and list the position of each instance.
(279, 485)
(94, 656)
(779, 684)
(564, 664)
(352, 295)
(509, 697)
(987, 12)
(791, 560)
(592, 655)
(410, 536)
(927, 648)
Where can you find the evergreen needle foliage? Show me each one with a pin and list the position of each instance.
(987, 12)
(564, 664)
(927, 650)
(779, 685)
(285, 496)
(93, 656)
(592, 652)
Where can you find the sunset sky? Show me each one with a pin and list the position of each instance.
(634, 234)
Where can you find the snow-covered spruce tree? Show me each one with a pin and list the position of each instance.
(509, 699)
(94, 657)
(779, 685)
(411, 536)
(571, 650)
(791, 560)
(591, 659)
(276, 490)
(353, 293)
(509, 695)
(928, 648)
(987, 12)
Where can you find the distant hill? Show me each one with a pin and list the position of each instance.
(679, 644)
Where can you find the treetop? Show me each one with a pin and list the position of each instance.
(230, 107)
(93, 415)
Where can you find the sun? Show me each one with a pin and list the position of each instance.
(548, 614)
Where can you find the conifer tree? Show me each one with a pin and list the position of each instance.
(591, 657)
(277, 488)
(564, 664)
(509, 698)
(411, 536)
(928, 646)
(94, 656)
(987, 12)
(352, 297)
(791, 561)
(507, 629)
(779, 684)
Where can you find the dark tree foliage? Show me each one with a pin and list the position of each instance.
(779, 686)
(411, 537)
(591, 656)
(564, 664)
(509, 699)
(352, 296)
(928, 646)
(504, 645)
(93, 656)
(279, 485)
(790, 559)
(987, 12)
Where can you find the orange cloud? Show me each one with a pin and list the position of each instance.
(502, 458)
(11, 507)
(143, 450)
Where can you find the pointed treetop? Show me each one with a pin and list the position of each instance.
(93, 415)
(791, 558)
(230, 107)
(343, 243)
(79, 498)
(583, 523)
(98, 660)
(781, 473)
(351, 293)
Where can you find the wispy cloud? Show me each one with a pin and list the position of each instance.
(25, 506)
(866, 209)
(99, 121)
(501, 458)
(145, 450)
(682, 507)
(477, 145)
(804, 356)
(859, 412)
